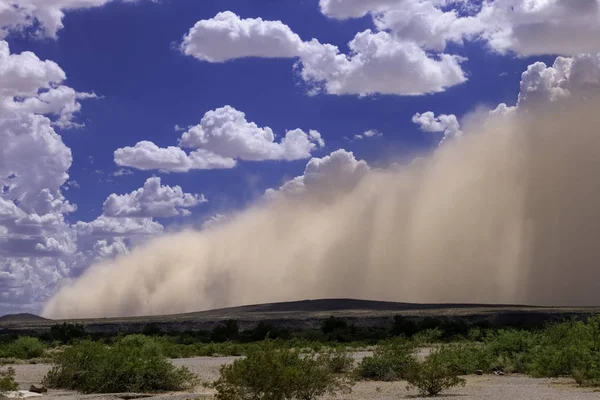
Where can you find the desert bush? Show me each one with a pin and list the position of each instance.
(428, 336)
(588, 373)
(466, 358)
(273, 373)
(23, 348)
(560, 349)
(510, 350)
(133, 364)
(390, 361)
(7, 380)
(67, 333)
(225, 331)
(338, 360)
(435, 374)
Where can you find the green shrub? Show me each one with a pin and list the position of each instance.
(226, 330)
(588, 375)
(428, 336)
(133, 364)
(7, 380)
(510, 350)
(390, 361)
(561, 348)
(273, 373)
(337, 360)
(67, 333)
(465, 359)
(435, 374)
(24, 348)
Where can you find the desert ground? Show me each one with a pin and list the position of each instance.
(492, 387)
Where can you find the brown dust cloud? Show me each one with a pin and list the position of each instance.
(507, 213)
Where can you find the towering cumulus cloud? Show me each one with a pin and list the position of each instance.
(507, 212)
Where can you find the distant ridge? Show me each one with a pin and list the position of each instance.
(325, 305)
(23, 317)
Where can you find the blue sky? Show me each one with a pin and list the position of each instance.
(129, 55)
(124, 52)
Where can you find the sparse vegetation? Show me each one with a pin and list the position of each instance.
(390, 361)
(337, 360)
(274, 373)
(435, 374)
(23, 348)
(134, 364)
(92, 363)
(7, 380)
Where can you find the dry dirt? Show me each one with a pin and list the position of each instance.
(510, 387)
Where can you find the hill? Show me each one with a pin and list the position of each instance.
(22, 317)
(310, 314)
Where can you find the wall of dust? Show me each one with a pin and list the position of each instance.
(507, 213)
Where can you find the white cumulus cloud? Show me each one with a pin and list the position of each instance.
(152, 200)
(378, 63)
(104, 226)
(447, 124)
(337, 172)
(146, 155)
(524, 27)
(227, 36)
(225, 132)
(45, 16)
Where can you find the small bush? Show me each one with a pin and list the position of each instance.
(588, 375)
(560, 349)
(390, 361)
(273, 373)
(24, 348)
(428, 336)
(134, 364)
(7, 380)
(227, 330)
(434, 375)
(67, 333)
(337, 360)
(466, 358)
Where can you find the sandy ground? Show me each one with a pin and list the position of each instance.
(510, 387)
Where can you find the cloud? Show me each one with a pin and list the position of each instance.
(513, 207)
(104, 226)
(538, 27)
(43, 16)
(122, 172)
(378, 63)
(215, 221)
(371, 133)
(337, 172)
(426, 24)
(222, 137)
(527, 28)
(344, 9)
(448, 124)
(26, 282)
(226, 37)
(30, 85)
(226, 133)
(541, 84)
(569, 78)
(152, 200)
(38, 247)
(145, 155)
(106, 249)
